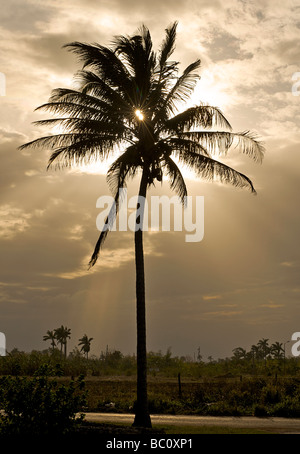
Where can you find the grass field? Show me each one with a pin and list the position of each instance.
(214, 397)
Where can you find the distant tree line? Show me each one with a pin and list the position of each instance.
(261, 359)
(258, 352)
(261, 351)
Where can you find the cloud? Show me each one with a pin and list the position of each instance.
(288, 264)
(6, 135)
(12, 221)
(25, 16)
(246, 265)
(272, 305)
(211, 297)
(46, 52)
(218, 314)
(31, 173)
(76, 232)
(110, 259)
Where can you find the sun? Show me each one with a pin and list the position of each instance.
(212, 90)
(139, 114)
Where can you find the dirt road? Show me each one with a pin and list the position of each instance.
(279, 425)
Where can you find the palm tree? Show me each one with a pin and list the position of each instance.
(86, 344)
(128, 99)
(58, 332)
(239, 353)
(264, 348)
(277, 350)
(254, 353)
(50, 335)
(62, 334)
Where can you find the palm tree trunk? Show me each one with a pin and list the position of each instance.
(142, 417)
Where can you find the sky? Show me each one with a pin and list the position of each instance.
(241, 282)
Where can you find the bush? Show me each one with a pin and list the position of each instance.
(165, 406)
(288, 408)
(40, 405)
(224, 409)
(260, 411)
(271, 394)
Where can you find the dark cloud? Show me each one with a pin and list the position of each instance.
(224, 46)
(288, 51)
(46, 50)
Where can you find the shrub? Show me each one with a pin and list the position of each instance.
(271, 394)
(288, 408)
(224, 409)
(260, 411)
(40, 405)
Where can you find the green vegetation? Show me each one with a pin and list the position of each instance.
(262, 384)
(40, 405)
(261, 360)
(209, 397)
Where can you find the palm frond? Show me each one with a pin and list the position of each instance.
(123, 168)
(215, 142)
(219, 142)
(183, 87)
(168, 46)
(137, 52)
(180, 143)
(82, 110)
(176, 179)
(85, 126)
(198, 116)
(95, 99)
(104, 62)
(92, 84)
(211, 170)
(76, 149)
(84, 152)
(173, 93)
(248, 143)
(106, 228)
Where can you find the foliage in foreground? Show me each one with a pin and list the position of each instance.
(40, 405)
(44, 404)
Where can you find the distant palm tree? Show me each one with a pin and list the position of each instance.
(254, 353)
(264, 348)
(58, 332)
(85, 342)
(239, 353)
(62, 334)
(277, 350)
(50, 335)
(128, 99)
